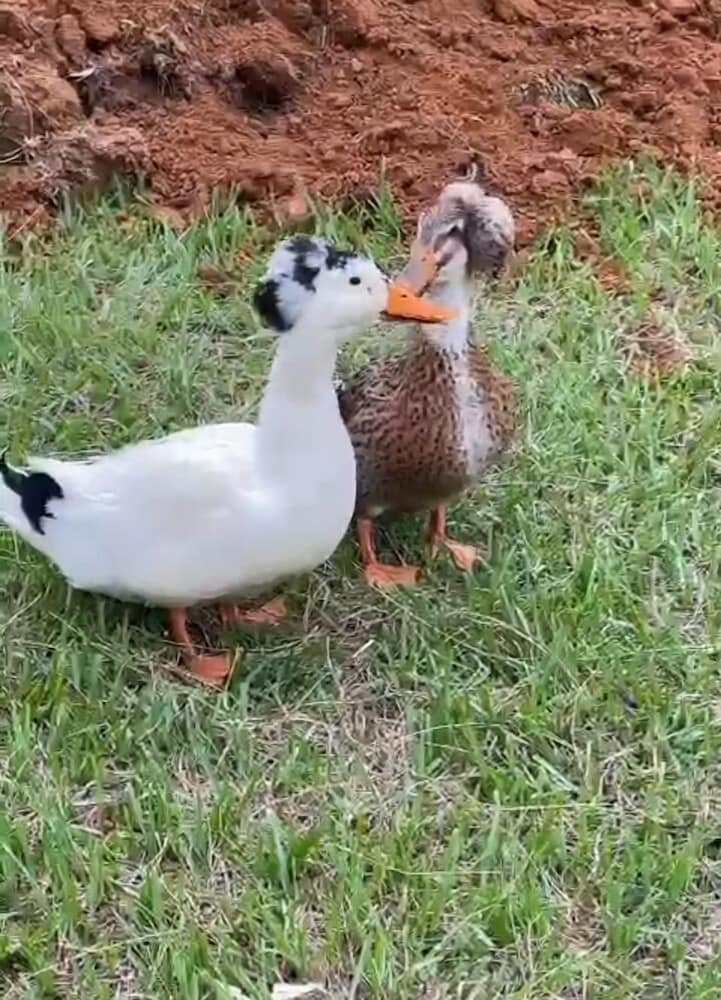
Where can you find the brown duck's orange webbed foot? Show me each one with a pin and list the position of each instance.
(213, 670)
(466, 557)
(386, 577)
(271, 613)
(380, 574)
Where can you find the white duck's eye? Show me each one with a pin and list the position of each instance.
(355, 280)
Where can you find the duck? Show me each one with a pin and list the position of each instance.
(428, 424)
(210, 514)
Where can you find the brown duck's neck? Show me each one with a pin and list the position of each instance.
(454, 336)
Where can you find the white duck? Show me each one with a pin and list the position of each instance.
(218, 512)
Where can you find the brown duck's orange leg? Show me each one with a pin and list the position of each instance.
(464, 556)
(269, 614)
(379, 574)
(209, 669)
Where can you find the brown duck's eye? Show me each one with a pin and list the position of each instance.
(355, 280)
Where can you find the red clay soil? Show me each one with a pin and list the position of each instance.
(273, 98)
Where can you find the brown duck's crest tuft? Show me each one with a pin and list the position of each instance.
(484, 223)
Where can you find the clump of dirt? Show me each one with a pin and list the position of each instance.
(89, 157)
(652, 353)
(610, 274)
(277, 98)
(34, 100)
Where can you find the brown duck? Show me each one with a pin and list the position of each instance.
(427, 425)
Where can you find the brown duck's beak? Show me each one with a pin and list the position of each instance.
(403, 303)
(421, 269)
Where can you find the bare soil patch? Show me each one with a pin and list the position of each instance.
(277, 99)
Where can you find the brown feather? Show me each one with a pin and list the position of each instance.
(407, 429)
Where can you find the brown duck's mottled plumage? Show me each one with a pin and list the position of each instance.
(427, 425)
(407, 431)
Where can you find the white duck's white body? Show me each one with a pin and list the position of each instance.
(209, 513)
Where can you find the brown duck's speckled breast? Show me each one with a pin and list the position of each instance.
(426, 426)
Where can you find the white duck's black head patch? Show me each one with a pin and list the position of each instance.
(292, 276)
(338, 258)
(267, 305)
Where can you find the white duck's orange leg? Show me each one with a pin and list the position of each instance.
(271, 613)
(209, 669)
(380, 574)
(464, 556)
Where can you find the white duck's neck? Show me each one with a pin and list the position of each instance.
(299, 413)
(451, 337)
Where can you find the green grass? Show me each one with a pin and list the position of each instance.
(508, 787)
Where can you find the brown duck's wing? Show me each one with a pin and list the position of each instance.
(342, 391)
(368, 390)
(352, 395)
(501, 392)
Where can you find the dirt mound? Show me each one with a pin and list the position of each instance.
(275, 98)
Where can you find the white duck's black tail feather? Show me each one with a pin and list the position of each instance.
(34, 489)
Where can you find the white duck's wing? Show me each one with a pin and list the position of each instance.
(188, 467)
(149, 521)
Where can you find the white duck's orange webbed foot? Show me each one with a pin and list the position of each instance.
(271, 613)
(387, 577)
(466, 557)
(213, 670)
(229, 615)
